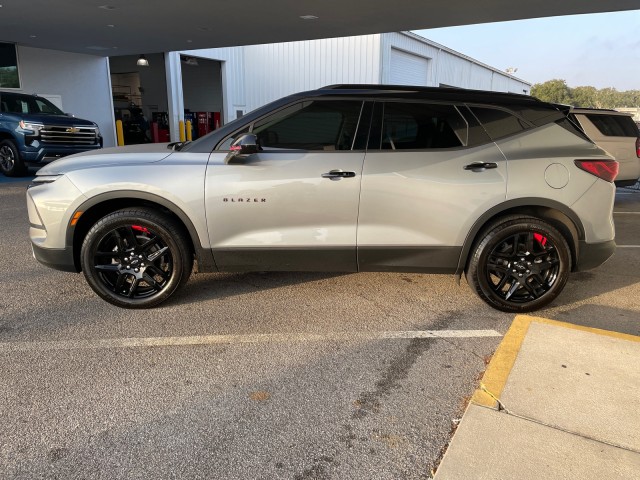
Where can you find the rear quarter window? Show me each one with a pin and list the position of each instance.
(614, 125)
(498, 123)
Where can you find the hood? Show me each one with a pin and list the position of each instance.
(45, 119)
(129, 155)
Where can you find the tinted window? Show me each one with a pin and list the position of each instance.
(477, 134)
(614, 125)
(413, 126)
(311, 125)
(15, 103)
(538, 115)
(498, 123)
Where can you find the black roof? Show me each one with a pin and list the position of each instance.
(429, 93)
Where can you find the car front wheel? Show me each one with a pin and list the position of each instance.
(136, 258)
(10, 162)
(519, 264)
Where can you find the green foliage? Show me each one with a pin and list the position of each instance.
(584, 96)
(557, 91)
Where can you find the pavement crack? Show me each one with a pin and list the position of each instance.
(501, 406)
(561, 429)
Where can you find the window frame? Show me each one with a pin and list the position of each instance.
(362, 123)
(377, 123)
(527, 124)
(17, 66)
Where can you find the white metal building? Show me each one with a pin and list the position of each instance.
(257, 74)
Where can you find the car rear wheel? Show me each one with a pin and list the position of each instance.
(136, 258)
(519, 264)
(10, 162)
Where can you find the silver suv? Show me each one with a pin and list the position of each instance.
(500, 187)
(617, 134)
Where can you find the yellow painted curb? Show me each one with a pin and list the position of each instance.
(495, 378)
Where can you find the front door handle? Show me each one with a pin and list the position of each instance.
(338, 174)
(480, 166)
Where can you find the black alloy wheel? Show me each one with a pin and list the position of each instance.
(136, 258)
(10, 163)
(521, 264)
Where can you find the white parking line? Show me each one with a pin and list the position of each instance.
(10, 347)
(628, 246)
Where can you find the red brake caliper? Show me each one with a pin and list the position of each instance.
(542, 240)
(140, 229)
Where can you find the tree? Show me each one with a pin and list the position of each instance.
(554, 91)
(630, 98)
(557, 91)
(608, 98)
(584, 96)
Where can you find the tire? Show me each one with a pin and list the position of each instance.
(519, 264)
(10, 162)
(136, 258)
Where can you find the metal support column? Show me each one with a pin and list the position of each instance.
(175, 99)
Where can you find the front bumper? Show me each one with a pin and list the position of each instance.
(50, 207)
(40, 154)
(58, 259)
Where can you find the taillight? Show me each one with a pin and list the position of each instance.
(638, 147)
(604, 169)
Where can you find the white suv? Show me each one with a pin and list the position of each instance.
(617, 134)
(501, 187)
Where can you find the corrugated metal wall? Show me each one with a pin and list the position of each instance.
(257, 74)
(275, 70)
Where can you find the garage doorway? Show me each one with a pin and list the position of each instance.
(140, 97)
(202, 94)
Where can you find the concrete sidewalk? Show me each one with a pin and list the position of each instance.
(558, 401)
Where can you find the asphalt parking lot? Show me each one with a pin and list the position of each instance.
(264, 375)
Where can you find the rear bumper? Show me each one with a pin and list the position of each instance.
(592, 255)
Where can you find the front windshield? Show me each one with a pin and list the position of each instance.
(13, 103)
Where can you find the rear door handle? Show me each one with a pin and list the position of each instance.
(480, 166)
(338, 174)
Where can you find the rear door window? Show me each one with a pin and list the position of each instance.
(614, 125)
(418, 126)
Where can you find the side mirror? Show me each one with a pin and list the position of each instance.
(242, 147)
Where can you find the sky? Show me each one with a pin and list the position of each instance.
(599, 50)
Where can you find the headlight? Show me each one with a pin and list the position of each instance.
(34, 127)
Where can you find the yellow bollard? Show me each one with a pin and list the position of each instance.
(181, 127)
(189, 131)
(119, 133)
